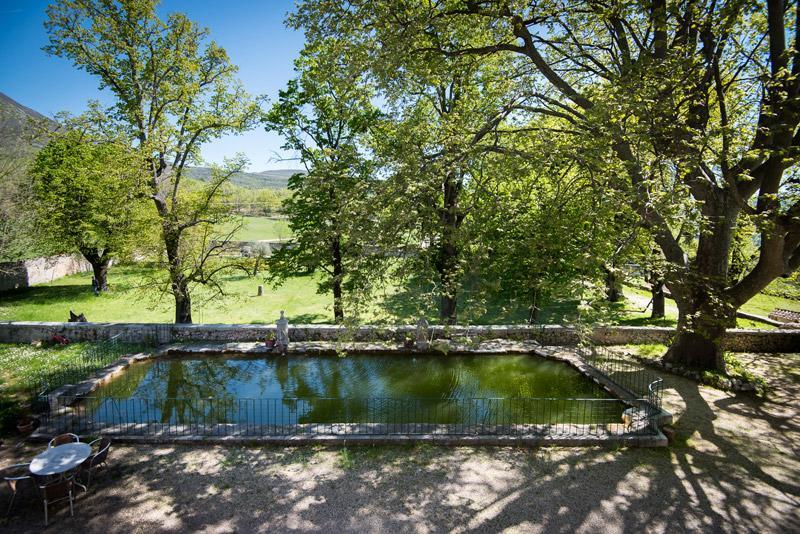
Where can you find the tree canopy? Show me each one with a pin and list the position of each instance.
(324, 114)
(90, 193)
(692, 105)
(174, 90)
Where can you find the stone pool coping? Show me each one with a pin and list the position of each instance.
(606, 439)
(311, 348)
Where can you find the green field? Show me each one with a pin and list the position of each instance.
(759, 305)
(130, 300)
(259, 228)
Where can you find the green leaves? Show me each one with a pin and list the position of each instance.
(324, 114)
(175, 90)
(90, 191)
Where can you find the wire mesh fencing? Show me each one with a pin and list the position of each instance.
(634, 414)
(348, 416)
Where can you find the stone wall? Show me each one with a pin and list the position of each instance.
(21, 274)
(735, 340)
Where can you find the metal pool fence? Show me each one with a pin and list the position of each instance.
(367, 416)
(93, 358)
(636, 414)
(351, 416)
(633, 377)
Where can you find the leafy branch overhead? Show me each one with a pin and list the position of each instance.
(689, 109)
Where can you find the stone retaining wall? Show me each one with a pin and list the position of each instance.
(735, 340)
(20, 274)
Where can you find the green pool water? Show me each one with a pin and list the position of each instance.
(287, 390)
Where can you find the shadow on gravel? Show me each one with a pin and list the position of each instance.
(721, 475)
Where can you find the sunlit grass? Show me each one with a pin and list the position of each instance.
(259, 228)
(129, 301)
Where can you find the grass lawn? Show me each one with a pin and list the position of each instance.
(23, 367)
(258, 228)
(761, 305)
(128, 301)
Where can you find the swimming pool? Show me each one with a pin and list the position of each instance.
(278, 393)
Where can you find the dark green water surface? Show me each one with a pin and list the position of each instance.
(286, 390)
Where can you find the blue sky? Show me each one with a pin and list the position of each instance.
(251, 31)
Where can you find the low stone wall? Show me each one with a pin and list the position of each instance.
(735, 340)
(21, 274)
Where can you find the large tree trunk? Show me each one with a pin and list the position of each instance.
(100, 261)
(178, 282)
(449, 308)
(448, 264)
(698, 340)
(657, 294)
(705, 309)
(183, 302)
(448, 261)
(338, 274)
(656, 280)
(613, 284)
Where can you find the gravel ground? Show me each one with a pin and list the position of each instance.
(735, 467)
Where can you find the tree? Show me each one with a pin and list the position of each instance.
(693, 104)
(544, 231)
(89, 192)
(174, 90)
(429, 148)
(324, 115)
(431, 144)
(207, 229)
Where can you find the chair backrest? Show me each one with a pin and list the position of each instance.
(41, 480)
(62, 439)
(102, 452)
(56, 490)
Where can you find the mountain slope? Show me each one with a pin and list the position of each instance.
(20, 126)
(278, 179)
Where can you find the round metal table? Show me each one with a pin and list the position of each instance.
(57, 460)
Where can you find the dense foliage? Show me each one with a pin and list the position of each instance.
(89, 194)
(174, 89)
(324, 115)
(691, 106)
(501, 149)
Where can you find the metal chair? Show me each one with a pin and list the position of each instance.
(63, 439)
(13, 475)
(54, 492)
(95, 460)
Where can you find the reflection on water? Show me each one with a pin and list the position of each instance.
(278, 390)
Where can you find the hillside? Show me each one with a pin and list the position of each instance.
(20, 126)
(23, 131)
(278, 179)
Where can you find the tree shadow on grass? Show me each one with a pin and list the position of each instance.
(310, 318)
(417, 299)
(74, 294)
(49, 295)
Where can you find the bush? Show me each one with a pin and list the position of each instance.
(10, 412)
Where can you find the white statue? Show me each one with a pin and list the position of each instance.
(422, 334)
(282, 332)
